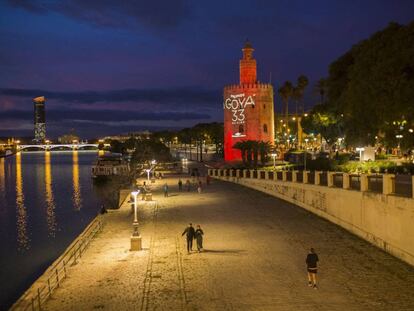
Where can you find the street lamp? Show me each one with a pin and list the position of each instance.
(399, 136)
(274, 155)
(135, 238)
(360, 149)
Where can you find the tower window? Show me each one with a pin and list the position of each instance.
(264, 106)
(241, 129)
(265, 128)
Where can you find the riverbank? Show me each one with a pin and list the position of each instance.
(255, 246)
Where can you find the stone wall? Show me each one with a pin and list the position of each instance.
(386, 221)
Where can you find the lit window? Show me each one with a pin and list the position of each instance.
(265, 128)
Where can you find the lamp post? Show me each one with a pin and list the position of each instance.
(360, 149)
(274, 155)
(399, 136)
(135, 238)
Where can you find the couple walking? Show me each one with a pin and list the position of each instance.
(192, 234)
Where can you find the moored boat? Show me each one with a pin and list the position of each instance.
(110, 166)
(6, 153)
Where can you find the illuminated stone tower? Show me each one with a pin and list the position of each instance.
(39, 119)
(248, 108)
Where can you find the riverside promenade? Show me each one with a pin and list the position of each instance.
(255, 248)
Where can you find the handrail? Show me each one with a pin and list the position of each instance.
(350, 181)
(33, 301)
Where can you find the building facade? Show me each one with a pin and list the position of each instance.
(248, 108)
(39, 119)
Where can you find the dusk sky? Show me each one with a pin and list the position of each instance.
(108, 67)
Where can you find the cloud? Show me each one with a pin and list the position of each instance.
(79, 115)
(158, 15)
(159, 96)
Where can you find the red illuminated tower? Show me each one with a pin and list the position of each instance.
(248, 108)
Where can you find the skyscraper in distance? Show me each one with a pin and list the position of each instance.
(39, 119)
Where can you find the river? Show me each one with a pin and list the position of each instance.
(46, 200)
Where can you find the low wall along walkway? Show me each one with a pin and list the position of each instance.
(384, 219)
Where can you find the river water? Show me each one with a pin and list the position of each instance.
(46, 200)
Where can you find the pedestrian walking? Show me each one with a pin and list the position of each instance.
(188, 185)
(199, 238)
(180, 185)
(189, 233)
(199, 188)
(311, 262)
(165, 190)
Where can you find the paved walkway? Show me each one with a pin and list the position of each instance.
(254, 260)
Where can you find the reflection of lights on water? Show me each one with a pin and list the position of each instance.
(76, 198)
(22, 238)
(2, 177)
(50, 201)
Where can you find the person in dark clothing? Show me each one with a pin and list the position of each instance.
(199, 238)
(188, 185)
(165, 190)
(180, 185)
(190, 233)
(311, 263)
(103, 209)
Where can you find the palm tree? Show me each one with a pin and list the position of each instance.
(297, 95)
(285, 93)
(303, 82)
(242, 146)
(255, 151)
(264, 149)
(321, 88)
(249, 150)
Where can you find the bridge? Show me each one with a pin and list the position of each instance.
(50, 147)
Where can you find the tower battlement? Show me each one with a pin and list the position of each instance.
(257, 85)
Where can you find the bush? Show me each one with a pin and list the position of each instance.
(381, 156)
(320, 164)
(376, 167)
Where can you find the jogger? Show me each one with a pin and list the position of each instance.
(311, 262)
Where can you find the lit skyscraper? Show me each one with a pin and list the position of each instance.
(39, 119)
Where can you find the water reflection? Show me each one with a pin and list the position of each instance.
(76, 197)
(50, 200)
(2, 178)
(22, 238)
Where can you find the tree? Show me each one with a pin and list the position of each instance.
(264, 149)
(372, 86)
(285, 92)
(302, 83)
(324, 122)
(297, 95)
(321, 89)
(151, 149)
(241, 145)
(117, 146)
